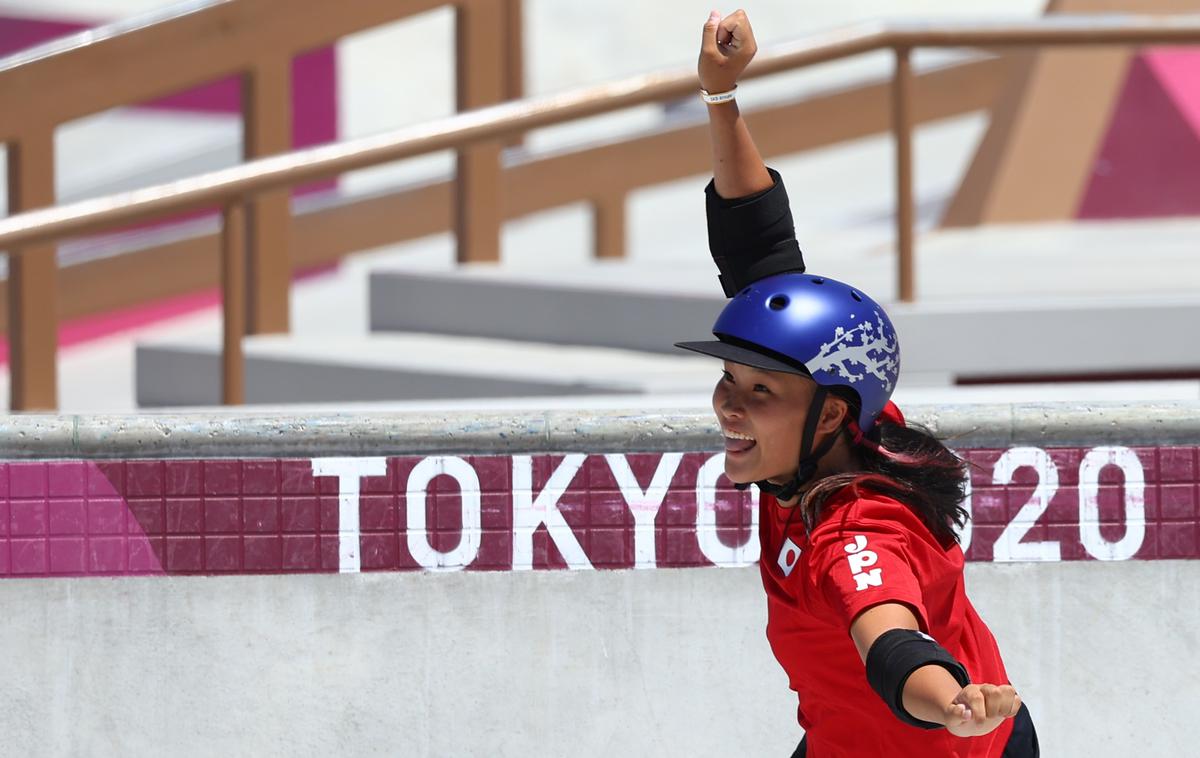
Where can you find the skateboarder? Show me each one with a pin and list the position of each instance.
(867, 610)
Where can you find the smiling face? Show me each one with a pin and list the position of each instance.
(762, 416)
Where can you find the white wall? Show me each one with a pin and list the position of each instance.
(661, 662)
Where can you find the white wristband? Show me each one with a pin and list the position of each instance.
(717, 98)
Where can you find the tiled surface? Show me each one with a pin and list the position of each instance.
(273, 516)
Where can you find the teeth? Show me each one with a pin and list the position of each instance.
(738, 436)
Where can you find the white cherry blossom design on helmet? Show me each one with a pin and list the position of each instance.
(870, 345)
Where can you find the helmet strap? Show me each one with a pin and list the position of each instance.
(808, 457)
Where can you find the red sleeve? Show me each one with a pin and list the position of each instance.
(862, 562)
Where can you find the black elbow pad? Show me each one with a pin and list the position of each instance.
(892, 659)
(752, 237)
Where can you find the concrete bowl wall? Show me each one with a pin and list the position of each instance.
(358, 656)
(670, 662)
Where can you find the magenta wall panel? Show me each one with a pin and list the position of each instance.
(1149, 162)
(500, 513)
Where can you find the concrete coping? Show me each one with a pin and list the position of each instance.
(245, 435)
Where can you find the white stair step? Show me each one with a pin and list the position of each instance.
(624, 307)
(402, 367)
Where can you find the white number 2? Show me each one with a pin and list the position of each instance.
(1009, 546)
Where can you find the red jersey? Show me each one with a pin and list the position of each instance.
(866, 551)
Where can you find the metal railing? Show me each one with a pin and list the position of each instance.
(233, 188)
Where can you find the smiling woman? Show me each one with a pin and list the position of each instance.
(754, 404)
(860, 512)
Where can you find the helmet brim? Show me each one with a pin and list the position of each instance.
(739, 354)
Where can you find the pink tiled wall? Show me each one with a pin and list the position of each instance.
(254, 516)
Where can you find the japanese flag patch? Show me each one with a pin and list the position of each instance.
(789, 556)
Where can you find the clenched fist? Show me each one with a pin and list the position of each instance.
(980, 708)
(727, 48)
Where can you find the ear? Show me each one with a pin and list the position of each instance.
(833, 415)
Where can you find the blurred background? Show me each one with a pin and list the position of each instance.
(1056, 201)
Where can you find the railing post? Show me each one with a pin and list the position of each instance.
(514, 58)
(267, 118)
(480, 73)
(233, 302)
(32, 280)
(608, 212)
(902, 127)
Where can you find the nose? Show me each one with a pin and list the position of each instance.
(727, 403)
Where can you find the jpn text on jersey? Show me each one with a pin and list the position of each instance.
(860, 558)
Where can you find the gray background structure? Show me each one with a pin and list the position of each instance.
(611, 663)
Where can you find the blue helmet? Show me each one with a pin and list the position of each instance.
(816, 327)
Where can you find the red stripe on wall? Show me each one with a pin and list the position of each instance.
(544, 512)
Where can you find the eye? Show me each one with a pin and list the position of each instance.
(761, 388)
(727, 377)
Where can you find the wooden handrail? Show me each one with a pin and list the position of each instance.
(205, 42)
(495, 122)
(199, 42)
(129, 270)
(236, 185)
(75, 41)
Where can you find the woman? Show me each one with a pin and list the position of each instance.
(867, 611)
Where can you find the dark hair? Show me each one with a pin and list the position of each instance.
(917, 469)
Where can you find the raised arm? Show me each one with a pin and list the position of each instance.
(727, 48)
(750, 230)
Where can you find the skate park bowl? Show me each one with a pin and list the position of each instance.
(558, 583)
(569, 582)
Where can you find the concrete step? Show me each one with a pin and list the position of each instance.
(635, 307)
(622, 306)
(1053, 301)
(405, 367)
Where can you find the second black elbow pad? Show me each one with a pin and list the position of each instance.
(892, 659)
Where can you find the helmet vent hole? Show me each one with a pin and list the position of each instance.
(857, 297)
(778, 303)
(818, 280)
